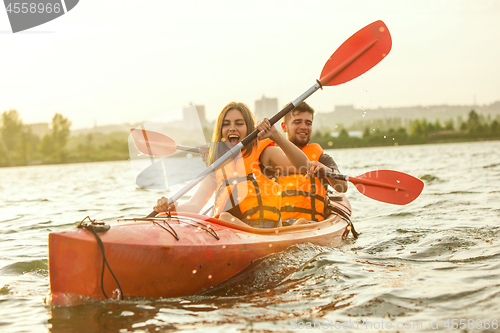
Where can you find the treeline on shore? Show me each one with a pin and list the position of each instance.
(19, 146)
(475, 128)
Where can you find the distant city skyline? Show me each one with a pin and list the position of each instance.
(100, 64)
(344, 115)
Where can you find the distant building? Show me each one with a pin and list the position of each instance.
(344, 108)
(266, 107)
(190, 117)
(193, 115)
(352, 134)
(201, 114)
(39, 129)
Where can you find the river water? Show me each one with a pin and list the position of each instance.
(413, 268)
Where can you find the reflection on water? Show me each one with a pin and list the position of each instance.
(434, 259)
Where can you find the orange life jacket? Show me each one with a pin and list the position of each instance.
(241, 183)
(303, 197)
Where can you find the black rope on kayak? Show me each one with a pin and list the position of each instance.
(344, 216)
(102, 227)
(171, 231)
(180, 219)
(354, 233)
(200, 225)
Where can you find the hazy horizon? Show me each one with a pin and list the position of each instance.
(355, 117)
(117, 62)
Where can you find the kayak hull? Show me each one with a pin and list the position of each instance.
(170, 257)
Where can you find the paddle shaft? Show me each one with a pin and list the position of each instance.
(186, 148)
(325, 80)
(357, 180)
(235, 151)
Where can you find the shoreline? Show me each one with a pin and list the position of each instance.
(325, 147)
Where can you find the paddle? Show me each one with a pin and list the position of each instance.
(388, 186)
(156, 144)
(355, 56)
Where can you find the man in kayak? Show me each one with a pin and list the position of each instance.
(304, 197)
(243, 195)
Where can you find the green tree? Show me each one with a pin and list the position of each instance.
(438, 126)
(343, 134)
(417, 128)
(448, 125)
(46, 148)
(495, 127)
(473, 122)
(14, 139)
(53, 144)
(366, 133)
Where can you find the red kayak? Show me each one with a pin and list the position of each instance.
(172, 256)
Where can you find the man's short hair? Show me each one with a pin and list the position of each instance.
(302, 107)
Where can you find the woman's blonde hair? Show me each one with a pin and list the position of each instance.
(219, 149)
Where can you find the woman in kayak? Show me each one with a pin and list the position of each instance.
(243, 194)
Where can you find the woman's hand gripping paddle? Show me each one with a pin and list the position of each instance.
(355, 56)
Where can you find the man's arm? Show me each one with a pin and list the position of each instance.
(328, 161)
(337, 184)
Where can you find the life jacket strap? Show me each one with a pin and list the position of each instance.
(294, 209)
(293, 193)
(231, 182)
(261, 209)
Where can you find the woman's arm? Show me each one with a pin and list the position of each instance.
(194, 204)
(288, 157)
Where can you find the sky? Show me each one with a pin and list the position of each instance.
(117, 61)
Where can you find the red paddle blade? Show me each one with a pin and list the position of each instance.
(358, 54)
(388, 186)
(152, 143)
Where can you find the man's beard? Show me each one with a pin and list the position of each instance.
(300, 142)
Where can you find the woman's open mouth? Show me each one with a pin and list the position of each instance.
(233, 138)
